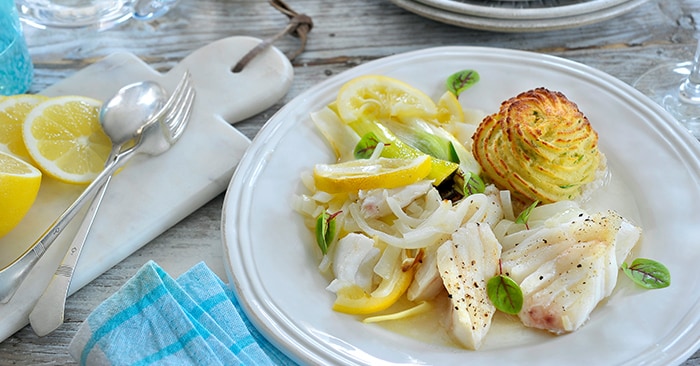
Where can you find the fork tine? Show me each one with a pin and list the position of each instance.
(177, 100)
(177, 117)
(177, 95)
(181, 118)
(171, 103)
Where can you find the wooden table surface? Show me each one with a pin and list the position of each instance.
(345, 34)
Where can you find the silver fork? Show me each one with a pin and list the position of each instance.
(48, 312)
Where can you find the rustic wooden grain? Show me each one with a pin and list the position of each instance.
(345, 34)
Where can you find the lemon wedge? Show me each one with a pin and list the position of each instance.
(19, 186)
(64, 137)
(449, 110)
(366, 174)
(13, 111)
(354, 300)
(376, 97)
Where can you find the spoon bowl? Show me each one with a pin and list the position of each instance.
(124, 116)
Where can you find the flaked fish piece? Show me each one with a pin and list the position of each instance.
(427, 283)
(565, 271)
(466, 262)
(626, 238)
(354, 259)
(560, 295)
(374, 202)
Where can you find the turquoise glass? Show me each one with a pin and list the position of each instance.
(16, 68)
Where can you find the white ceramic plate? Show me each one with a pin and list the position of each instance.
(516, 22)
(523, 9)
(273, 268)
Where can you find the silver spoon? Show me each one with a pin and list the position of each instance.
(138, 102)
(123, 116)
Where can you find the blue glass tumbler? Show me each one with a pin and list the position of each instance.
(16, 68)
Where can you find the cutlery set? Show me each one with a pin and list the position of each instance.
(155, 136)
(12, 276)
(152, 136)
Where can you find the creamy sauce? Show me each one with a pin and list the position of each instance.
(431, 327)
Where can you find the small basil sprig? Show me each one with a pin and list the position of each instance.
(325, 230)
(505, 294)
(473, 184)
(365, 147)
(461, 81)
(647, 273)
(525, 215)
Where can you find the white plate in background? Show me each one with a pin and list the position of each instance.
(523, 9)
(516, 21)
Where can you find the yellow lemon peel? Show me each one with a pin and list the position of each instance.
(377, 97)
(64, 137)
(19, 186)
(354, 300)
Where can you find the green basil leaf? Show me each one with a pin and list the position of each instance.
(525, 215)
(473, 184)
(461, 81)
(505, 294)
(365, 147)
(325, 230)
(648, 273)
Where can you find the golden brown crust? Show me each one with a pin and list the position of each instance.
(539, 146)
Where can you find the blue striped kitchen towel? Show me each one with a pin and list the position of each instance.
(157, 320)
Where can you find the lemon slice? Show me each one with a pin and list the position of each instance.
(370, 174)
(380, 97)
(354, 300)
(64, 137)
(19, 185)
(13, 111)
(449, 109)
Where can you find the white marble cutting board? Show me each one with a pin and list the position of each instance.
(150, 194)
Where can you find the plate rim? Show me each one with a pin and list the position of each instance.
(515, 25)
(583, 7)
(299, 349)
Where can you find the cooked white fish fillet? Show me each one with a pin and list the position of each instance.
(560, 295)
(564, 271)
(427, 282)
(354, 259)
(466, 262)
(627, 237)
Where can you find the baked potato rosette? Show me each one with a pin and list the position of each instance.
(539, 145)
